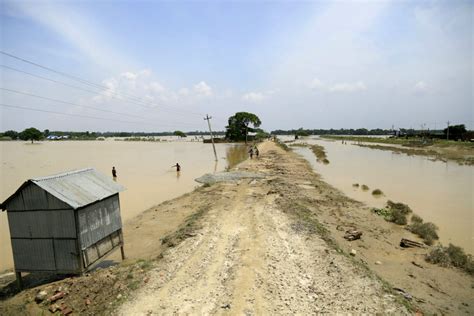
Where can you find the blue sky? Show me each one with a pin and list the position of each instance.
(325, 64)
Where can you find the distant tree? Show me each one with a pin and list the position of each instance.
(238, 127)
(455, 132)
(46, 133)
(302, 132)
(31, 134)
(179, 133)
(12, 134)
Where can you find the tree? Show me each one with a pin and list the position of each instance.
(12, 134)
(179, 133)
(46, 132)
(238, 127)
(31, 134)
(455, 132)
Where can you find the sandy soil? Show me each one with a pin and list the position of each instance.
(264, 246)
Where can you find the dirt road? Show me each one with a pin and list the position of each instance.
(253, 256)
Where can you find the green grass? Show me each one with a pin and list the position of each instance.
(427, 231)
(282, 145)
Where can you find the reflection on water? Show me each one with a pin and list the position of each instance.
(439, 192)
(144, 168)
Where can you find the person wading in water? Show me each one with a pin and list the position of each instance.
(177, 166)
(114, 173)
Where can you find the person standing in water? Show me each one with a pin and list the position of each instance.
(177, 166)
(114, 173)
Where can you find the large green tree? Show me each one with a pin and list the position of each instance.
(12, 134)
(31, 134)
(239, 126)
(179, 133)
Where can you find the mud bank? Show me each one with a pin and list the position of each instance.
(258, 246)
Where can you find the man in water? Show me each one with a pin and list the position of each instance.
(114, 173)
(177, 166)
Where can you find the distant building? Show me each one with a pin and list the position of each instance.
(64, 223)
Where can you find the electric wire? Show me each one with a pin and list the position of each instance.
(86, 82)
(79, 105)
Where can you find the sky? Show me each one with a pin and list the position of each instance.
(164, 65)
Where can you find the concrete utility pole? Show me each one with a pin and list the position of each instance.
(447, 131)
(208, 119)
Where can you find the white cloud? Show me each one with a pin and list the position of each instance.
(420, 86)
(254, 97)
(348, 87)
(316, 84)
(203, 89)
(343, 87)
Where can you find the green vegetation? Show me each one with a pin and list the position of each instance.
(12, 134)
(320, 153)
(282, 145)
(394, 212)
(238, 127)
(416, 219)
(427, 231)
(355, 185)
(179, 133)
(365, 187)
(377, 192)
(451, 256)
(31, 134)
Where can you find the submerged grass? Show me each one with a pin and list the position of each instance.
(320, 153)
(365, 187)
(377, 192)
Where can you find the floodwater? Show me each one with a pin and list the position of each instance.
(442, 193)
(144, 168)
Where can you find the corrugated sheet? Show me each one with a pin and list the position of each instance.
(79, 188)
(42, 224)
(99, 220)
(67, 256)
(33, 254)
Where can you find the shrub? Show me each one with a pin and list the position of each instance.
(451, 256)
(377, 192)
(416, 219)
(365, 188)
(355, 185)
(427, 231)
(397, 217)
(405, 209)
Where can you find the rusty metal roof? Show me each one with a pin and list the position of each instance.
(77, 188)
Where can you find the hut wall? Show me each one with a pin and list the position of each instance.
(98, 221)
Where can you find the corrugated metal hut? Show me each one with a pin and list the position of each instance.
(64, 223)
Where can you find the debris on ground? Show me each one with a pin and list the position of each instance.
(407, 243)
(352, 234)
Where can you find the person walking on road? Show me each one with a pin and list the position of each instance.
(256, 152)
(251, 152)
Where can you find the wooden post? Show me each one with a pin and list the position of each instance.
(19, 280)
(122, 251)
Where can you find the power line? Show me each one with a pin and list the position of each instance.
(75, 104)
(73, 115)
(83, 81)
(114, 95)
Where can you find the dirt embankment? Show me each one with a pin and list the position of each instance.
(259, 246)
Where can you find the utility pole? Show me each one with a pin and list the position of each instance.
(447, 131)
(208, 119)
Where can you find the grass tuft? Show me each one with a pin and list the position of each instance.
(365, 187)
(427, 231)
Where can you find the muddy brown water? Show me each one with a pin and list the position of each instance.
(440, 192)
(144, 168)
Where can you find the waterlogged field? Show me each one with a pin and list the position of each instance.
(144, 168)
(439, 192)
